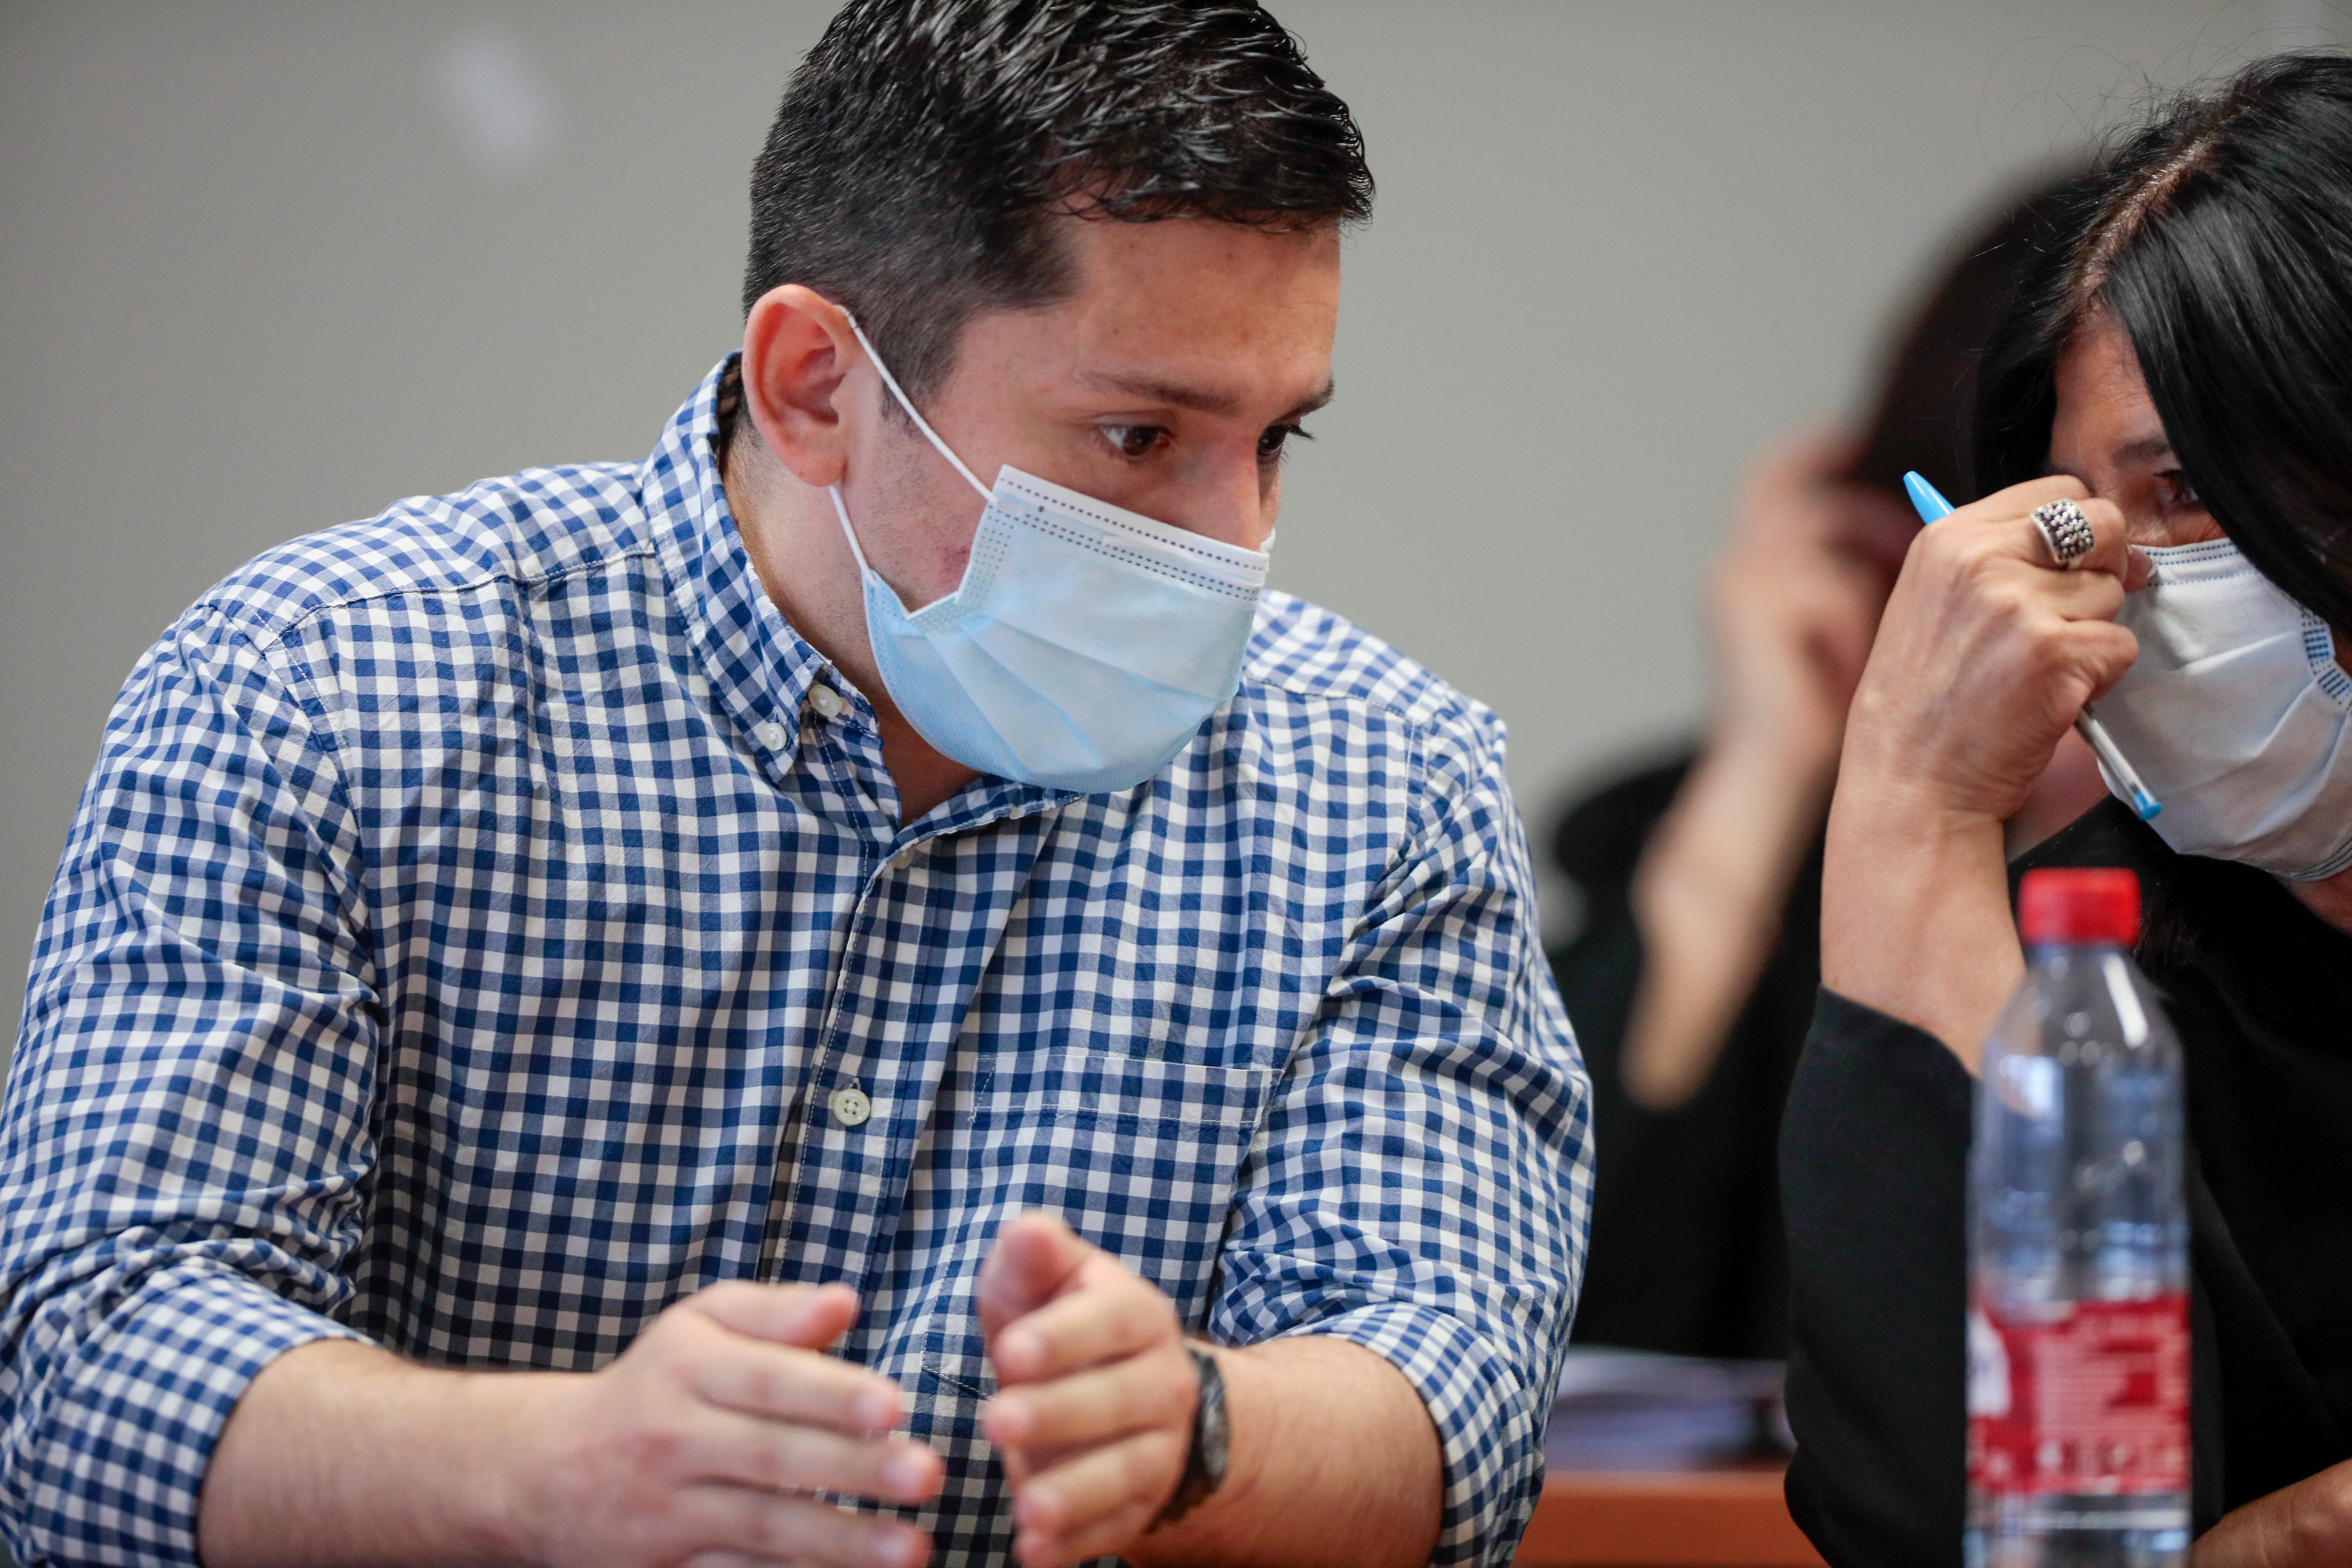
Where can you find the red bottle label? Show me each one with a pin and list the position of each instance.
(2088, 1397)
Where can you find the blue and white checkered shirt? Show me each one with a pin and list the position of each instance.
(476, 912)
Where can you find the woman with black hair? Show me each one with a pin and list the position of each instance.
(2173, 388)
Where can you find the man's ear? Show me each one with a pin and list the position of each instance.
(797, 353)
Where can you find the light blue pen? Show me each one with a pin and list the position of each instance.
(1931, 505)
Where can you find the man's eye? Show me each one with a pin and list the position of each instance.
(1270, 445)
(1135, 441)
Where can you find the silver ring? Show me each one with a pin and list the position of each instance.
(2065, 531)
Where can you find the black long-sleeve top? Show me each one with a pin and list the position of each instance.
(1873, 1170)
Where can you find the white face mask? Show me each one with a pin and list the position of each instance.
(1084, 646)
(2236, 714)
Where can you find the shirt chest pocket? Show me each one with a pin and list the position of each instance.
(1140, 1153)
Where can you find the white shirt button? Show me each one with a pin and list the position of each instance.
(850, 1105)
(826, 700)
(773, 737)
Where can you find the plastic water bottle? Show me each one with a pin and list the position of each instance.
(2078, 1287)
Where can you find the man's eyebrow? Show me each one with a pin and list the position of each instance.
(1201, 399)
(1314, 400)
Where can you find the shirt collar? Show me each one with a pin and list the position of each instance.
(760, 668)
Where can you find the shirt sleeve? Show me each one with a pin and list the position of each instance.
(1423, 1183)
(185, 1130)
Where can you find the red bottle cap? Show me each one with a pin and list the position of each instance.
(2077, 903)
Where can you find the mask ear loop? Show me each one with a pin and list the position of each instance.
(841, 511)
(907, 404)
(848, 532)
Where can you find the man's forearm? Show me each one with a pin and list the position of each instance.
(1334, 1462)
(343, 1454)
(716, 1433)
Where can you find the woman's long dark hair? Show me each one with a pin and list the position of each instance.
(2220, 238)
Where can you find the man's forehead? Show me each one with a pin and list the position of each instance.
(1219, 397)
(1192, 275)
(1189, 313)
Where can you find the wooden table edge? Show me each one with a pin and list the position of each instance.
(1673, 1519)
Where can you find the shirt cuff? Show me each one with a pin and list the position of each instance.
(111, 1470)
(1488, 1422)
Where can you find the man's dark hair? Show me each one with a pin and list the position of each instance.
(923, 144)
(2219, 237)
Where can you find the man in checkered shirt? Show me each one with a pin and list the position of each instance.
(533, 1056)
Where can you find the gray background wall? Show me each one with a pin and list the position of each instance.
(266, 267)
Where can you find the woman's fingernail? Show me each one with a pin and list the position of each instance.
(1023, 1346)
(897, 1549)
(873, 1407)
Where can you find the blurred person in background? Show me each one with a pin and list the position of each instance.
(1691, 979)
(2173, 378)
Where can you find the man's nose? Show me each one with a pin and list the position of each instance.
(1233, 502)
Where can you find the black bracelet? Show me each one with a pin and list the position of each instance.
(1212, 1445)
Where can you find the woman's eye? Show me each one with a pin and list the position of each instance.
(2179, 494)
(1135, 441)
(1270, 445)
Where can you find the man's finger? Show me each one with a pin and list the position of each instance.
(1089, 1407)
(763, 1525)
(809, 1316)
(780, 1384)
(1033, 1258)
(1082, 1493)
(744, 1451)
(1117, 1314)
(1100, 1539)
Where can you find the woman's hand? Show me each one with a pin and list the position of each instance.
(2306, 1525)
(1987, 653)
(1984, 657)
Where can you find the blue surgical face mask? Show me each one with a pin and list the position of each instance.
(1084, 647)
